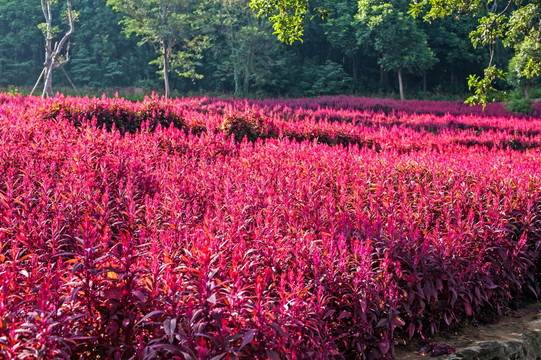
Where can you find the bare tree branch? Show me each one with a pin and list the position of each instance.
(53, 58)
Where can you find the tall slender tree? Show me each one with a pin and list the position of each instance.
(399, 41)
(173, 27)
(341, 30)
(247, 56)
(56, 52)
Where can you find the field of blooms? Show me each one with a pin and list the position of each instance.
(198, 228)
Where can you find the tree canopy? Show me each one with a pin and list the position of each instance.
(224, 47)
(172, 27)
(516, 23)
(57, 47)
(288, 17)
(398, 39)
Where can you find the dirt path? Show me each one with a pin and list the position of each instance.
(490, 341)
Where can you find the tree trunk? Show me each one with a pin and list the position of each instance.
(48, 86)
(236, 79)
(236, 63)
(249, 69)
(37, 82)
(400, 84)
(246, 83)
(354, 66)
(527, 91)
(52, 54)
(166, 72)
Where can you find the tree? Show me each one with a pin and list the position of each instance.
(515, 22)
(400, 43)
(287, 16)
(172, 27)
(341, 30)
(20, 48)
(449, 40)
(248, 59)
(58, 54)
(519, 75)
(106, 58)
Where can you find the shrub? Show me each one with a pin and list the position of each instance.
(170, 244)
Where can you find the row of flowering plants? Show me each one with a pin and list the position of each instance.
(402, 131)
(387, 106)
(127, 232)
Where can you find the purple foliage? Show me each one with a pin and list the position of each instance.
(218, 229)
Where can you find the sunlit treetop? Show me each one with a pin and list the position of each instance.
(516, 23)
(287, 16)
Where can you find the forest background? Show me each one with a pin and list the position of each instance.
(240, 55)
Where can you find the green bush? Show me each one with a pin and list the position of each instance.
(325, 79)
(517, 103)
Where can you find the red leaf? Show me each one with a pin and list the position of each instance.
(384, 347)
(248, 338)
(273, 355)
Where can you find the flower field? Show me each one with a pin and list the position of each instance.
(274, 229)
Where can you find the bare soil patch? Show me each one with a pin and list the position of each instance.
(511, 328)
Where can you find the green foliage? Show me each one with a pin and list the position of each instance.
(490, 28)
(521, 73)
(13, 91)
(288, 17)
(185, 62)
(20, 42)
(326, 79)
(105, 58)
(516, 102)
(248, 59)
(441, 8)
(340, 26)
(515, 22)
(173, 27)
(527, 60)
(484, 90)
(232, 48)
(397, 37)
